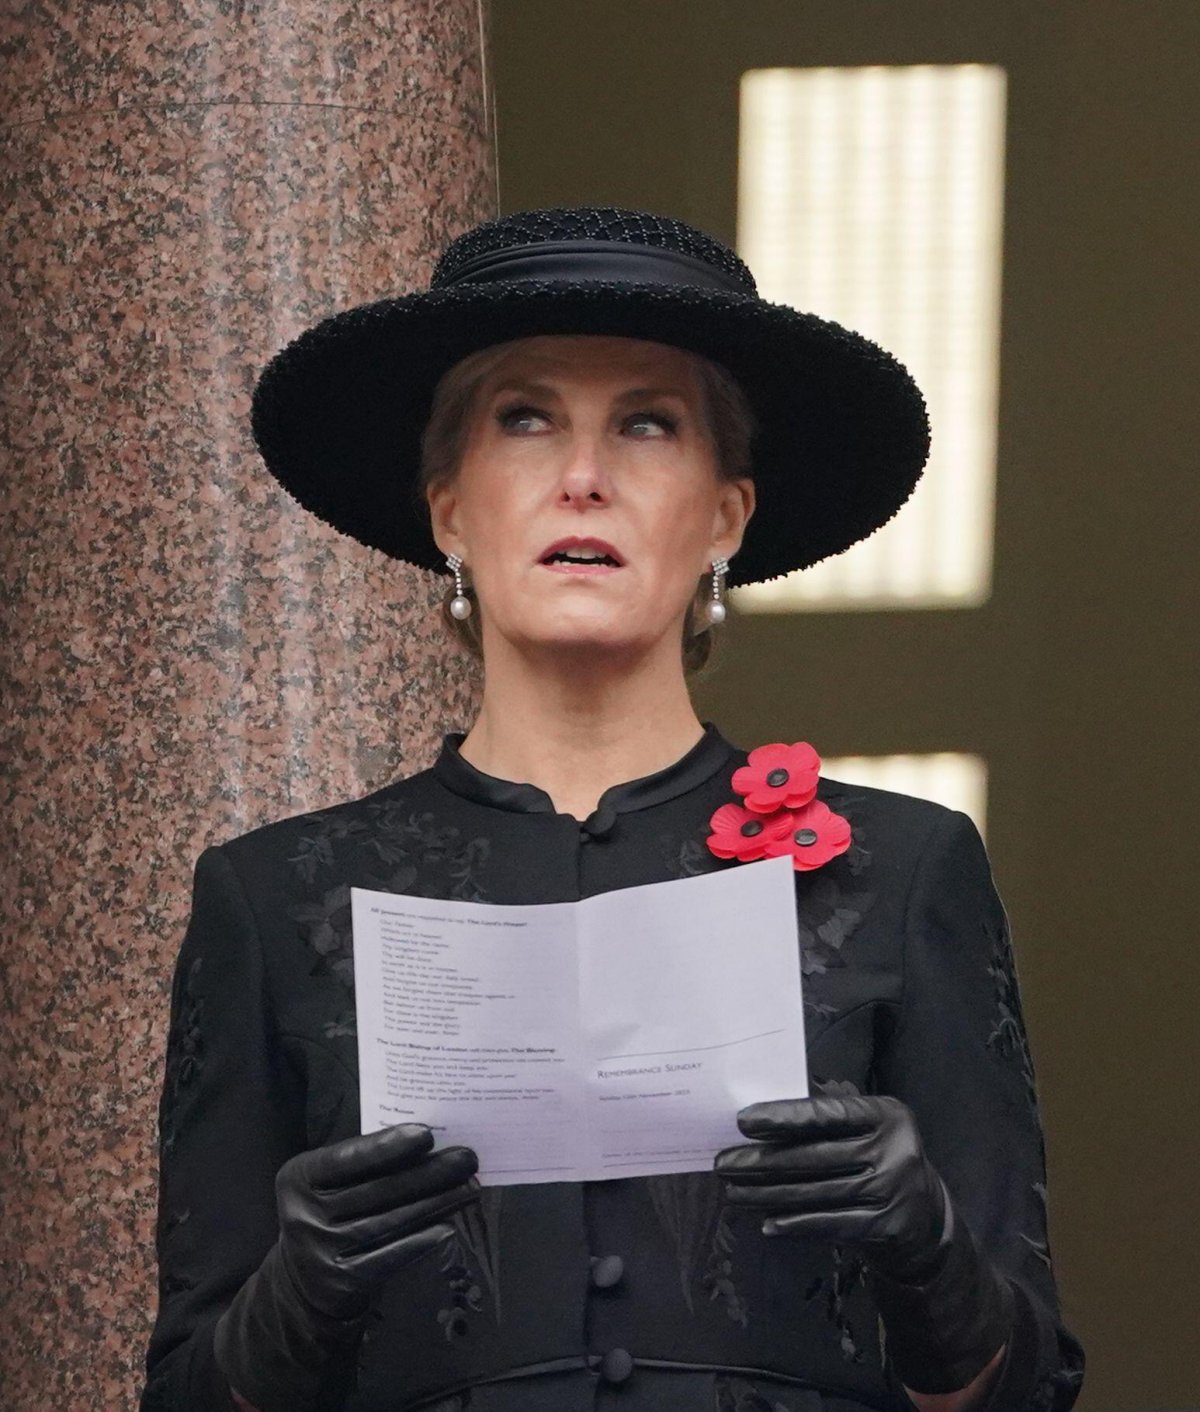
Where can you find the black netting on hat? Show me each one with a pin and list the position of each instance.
(589, 223)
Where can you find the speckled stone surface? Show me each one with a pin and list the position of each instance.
(184, 654)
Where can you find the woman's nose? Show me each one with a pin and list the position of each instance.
(585, 476)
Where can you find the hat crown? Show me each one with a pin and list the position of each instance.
(588, 224)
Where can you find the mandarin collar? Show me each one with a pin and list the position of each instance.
(712, 752)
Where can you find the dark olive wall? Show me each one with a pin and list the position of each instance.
(1077, 680)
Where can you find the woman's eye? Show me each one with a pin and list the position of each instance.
(645, 425)
(521, 419)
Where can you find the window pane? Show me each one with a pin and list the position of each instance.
(958, 781)
(873, 197)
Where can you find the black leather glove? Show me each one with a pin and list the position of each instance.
(350, 1215)
(852, 1169)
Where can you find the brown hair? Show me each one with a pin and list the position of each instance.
(730, 425)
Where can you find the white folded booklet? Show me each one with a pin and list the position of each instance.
(571, 1041)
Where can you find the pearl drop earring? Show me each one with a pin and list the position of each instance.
(460, 604)
(715, 610)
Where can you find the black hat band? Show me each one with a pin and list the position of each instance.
(614, 261)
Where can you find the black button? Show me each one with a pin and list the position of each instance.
(806, 837)
(616, 1365)
(607, 1270)
(776, 778)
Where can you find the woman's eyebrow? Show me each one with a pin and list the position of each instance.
(523, 388)
(546, 392)
(637, 394)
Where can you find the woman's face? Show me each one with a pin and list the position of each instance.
(588, 503)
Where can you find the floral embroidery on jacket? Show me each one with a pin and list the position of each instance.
(185, 1052)
(848, 1274)
(315, 848)
(718, 1273)
(466, 1297)
(170, 1285)
(857, 858)
(684, 858)
(690, 1208)
(176, 1219)
(406, 841)
(738, 1395)
(325, 926)
(1008, 1037)
(1039, 1246)
(827, 917)
(476, 1243)
(399, 851)
(828, 913)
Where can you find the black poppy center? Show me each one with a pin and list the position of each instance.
(777, 777)
(751, 827)
(805, 837)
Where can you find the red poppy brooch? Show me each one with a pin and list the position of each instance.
(780, 813)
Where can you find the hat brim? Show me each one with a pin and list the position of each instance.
(842, 429)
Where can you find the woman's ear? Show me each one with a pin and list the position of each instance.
(444, 519)
(734, 508)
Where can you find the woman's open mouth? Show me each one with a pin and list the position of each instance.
(575, 555)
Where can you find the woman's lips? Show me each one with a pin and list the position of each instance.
(581, 549)
(558, 567)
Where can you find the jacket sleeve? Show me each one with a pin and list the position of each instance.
(959, 1057)
(230, 1114)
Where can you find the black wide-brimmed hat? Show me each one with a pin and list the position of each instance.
(842, 434)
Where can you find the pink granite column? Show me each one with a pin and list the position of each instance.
(183, 654)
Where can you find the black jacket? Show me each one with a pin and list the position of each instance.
(647, 1291)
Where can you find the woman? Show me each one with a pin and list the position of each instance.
(594, 422)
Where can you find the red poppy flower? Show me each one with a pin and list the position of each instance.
(814, 835)
(778, 777)
(737, 833)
